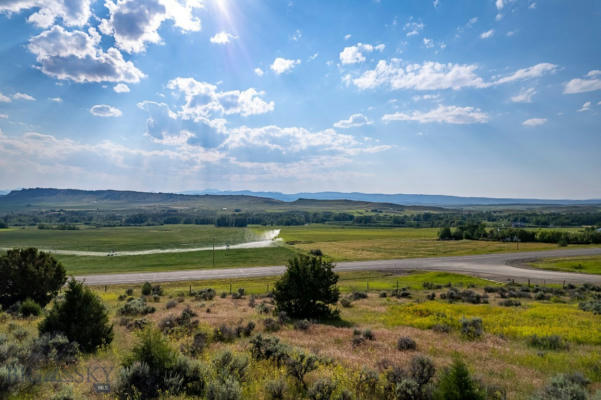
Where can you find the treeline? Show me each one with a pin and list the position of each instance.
(478, 231)
(460, 221)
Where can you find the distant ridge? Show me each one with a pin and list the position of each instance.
(402, 199)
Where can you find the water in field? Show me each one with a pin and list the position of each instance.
(265, 239)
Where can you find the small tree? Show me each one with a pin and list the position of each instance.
(27, 273)
(457, 384)
(81, 317)
(307, 288)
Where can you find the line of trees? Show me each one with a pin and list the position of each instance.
(478, 231)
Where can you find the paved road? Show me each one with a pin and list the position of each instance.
(491, 266)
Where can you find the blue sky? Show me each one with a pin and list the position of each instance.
(489, 97)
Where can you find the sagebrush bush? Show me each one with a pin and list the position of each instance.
(405, 343)
(302, 324)
(224, 334)
(271, 325)
(29, 307)
(81, 317)
(269, 348)
(565, 386)
(346, 303)
(136, 307)
(53, 348)
(551, 342)
(228, 390)
(170, 304)
(367, 383)
(300, 365)
(276, 389)
(227, 365)
(321, 389)
(471, 328)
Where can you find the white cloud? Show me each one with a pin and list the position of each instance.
(103, 110)
(427, 76)
(71, 12)
(121, 88)
(313, 56)
(23, 96)
(524, 96)
(203, 100)
(56, 99)
(585, 107)
(589, 84)
(354, 54)
(223, 38)
(442, 114)
(487, 34)
(4, 99)
(532, 6)
(436, 3)
(347, 36)
(500, 4)
(498, 17)
(535, 122)
(353, 121)
(259, 71)
(3, 116)
(296, 36)
(77, 56)
(428, 43)
(510, 33)
(536, 71)
(134, 23)
(281, 65)
(413, 28)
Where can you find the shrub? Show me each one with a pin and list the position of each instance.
(456, 383)
(271, 325)
(228, 390)
(53, 348)
(421, 370)
(471, 328)
(510, 303)
(302, 324)
(171, 304)
(300, 365)
(322, 389)
(551, 342)
(276, 389)
(245, 331)
(227, 365)
(367, 383)
(153, 367)
(346, 302)
(27, 273)
(146, 289)
(406, 343)
(129, 292)
(357, 341)
(565, 386)
(82, 317)
(307, 288)
(358, 295)
(441, 328)
(206, 294)
(383, 295)
(224, 334)
(199, 342)
(269, 348)
(66, 393)
(368, 334)
(345, 394)
(136, 307)
(29, 308)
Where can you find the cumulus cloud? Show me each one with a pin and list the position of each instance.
(535, 71)
(442, 114)
(4, 99)
(259, 71)
(355, 54)
(56, 99)
(524, 96)
(499, 4)
(77, 56)
(590, 83)
(23, 96)
(353, 121)
(3, 116)
(103, 110)
(427, 76)
(134, 23)
(347, 36)
(585, 107)
(71, 12)
(204, 100)
(534, 122)
(121, 88)
(487, 34)
(223, 38)
(281, 65)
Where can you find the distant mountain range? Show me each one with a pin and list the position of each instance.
(403, 199)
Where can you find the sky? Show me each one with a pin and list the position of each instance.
(476, 98)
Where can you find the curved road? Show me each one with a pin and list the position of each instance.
(490, 266)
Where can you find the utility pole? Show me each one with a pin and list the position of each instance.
(213, 252)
